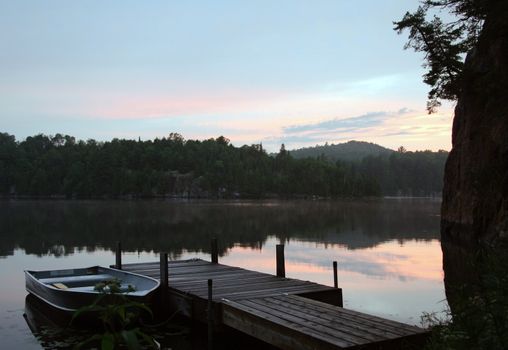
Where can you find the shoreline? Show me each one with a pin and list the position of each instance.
(212, 199)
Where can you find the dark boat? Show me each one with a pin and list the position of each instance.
(71, 289)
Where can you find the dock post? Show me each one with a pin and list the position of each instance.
(215, 251)
(164, 270)
(335, 277)
(210, 315)
(118, 255)
(281, 268)
(164, 275)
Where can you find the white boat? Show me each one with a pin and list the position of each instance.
(71, 289)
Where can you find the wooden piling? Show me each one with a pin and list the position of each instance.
(118, 255)
(210, 314)
(215, 251)
(164, 288)
(335, 276)
(281, 268)
(164, 271)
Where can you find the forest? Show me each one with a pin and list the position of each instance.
(63, 167)
(348, 151)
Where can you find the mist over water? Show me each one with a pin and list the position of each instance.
(388, 250)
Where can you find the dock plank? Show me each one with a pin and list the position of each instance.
(397, 327)
(328, 324)
(224, 279)
(253, 286)
(339, 318)
(265, 312)
(275, 330)
(280, 311)
(304, 321)
(171, 264)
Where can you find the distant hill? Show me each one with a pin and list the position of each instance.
(351, 151)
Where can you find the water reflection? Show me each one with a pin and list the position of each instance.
(58, 227)
(388, 250)
(394, 280)
(50, 331)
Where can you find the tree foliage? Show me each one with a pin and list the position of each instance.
(445, 44)
(349, 151)
(61, 166)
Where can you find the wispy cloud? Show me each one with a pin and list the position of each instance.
(397, 133)
(347, 124)
(413, 129)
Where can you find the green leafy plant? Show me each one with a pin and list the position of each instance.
(119, 317)
(479, 316)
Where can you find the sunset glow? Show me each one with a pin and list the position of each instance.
(146, 70)
(371, 278)
(405, 261)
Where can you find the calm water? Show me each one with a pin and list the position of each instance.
(389, 254)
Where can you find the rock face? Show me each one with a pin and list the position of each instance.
(474, 213)
(475, 194)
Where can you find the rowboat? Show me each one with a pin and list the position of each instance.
(71, 289)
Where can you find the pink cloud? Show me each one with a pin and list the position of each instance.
(141, 106)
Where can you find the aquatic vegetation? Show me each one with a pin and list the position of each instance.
(478, 317)
(120, 319)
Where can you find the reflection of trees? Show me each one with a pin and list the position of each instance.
(59, 227)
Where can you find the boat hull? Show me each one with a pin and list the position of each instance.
(81, 282)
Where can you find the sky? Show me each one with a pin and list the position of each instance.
(266, 71)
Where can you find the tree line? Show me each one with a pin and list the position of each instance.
(60, 165)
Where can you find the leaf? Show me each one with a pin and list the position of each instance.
(121, 312)
(86, 309)
(108, 341)
(130, 340)
(140, 306)
(149, 340)
(88, 341)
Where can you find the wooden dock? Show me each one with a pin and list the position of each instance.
(284, 312)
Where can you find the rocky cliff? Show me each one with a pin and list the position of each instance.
(474, 214)
(475, 195)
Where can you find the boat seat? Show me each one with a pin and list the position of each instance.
(60, 286)
(81, 280)
(124, 288)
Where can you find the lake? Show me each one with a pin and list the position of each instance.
(388, 250)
